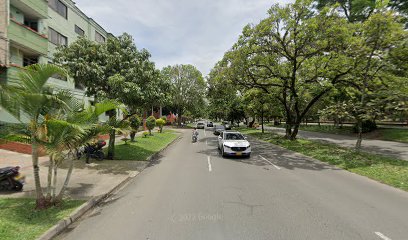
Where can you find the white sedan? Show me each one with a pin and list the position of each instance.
(233, 144)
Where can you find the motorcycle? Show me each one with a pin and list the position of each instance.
(92, 151)
(195, 136)
(11, 179)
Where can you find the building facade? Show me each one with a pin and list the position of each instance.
(30, 32)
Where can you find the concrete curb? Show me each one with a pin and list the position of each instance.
(81, 210)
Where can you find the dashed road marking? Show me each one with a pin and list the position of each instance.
(382, 236)
(209, 164)
(269, 162)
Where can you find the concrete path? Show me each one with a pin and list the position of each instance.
(393, 149)
(191, 193)
(87, 181)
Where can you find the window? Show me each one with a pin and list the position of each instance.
(79, 31)
(99, 38)
(29, 60)
(31, 24)
(59, 7)
(57, 38)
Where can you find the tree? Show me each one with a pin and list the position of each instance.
(225, 100)
(376, 38)
(135, 122)
(187, 88)
(150, 123)
(361, 10)
(64, 135)
(257, 102)
(160, 123)
(296, 55)
(112, 70)
(29, 97)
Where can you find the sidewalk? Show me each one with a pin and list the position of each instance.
(87, 181)
(389, 148)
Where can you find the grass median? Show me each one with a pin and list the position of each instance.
(144, 146)
(387, 134)
(19, 220)
(388, 170)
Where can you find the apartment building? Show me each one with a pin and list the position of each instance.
(30, 32)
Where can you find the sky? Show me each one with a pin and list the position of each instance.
(196, 32)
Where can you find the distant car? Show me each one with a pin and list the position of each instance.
(218, 129)
(200, 125)
(226, 125)
(233, 144)
(210, 124)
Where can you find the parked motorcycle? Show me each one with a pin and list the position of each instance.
(11, 179)
(92, 151)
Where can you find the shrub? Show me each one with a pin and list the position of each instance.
(135, 122)
(160, 123)
(145, 134)
(150, 123)
(368, 126)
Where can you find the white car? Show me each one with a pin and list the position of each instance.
(233, 144)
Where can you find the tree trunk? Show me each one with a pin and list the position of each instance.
(262, 120)
(132, 136)
(67, 179)
(179, 117)
(360, 134)
(295, 131)
(40, 201)
(54, 185)
(111, 147)
(49, 180)
(251, 124)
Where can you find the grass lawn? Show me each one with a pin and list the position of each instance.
(388, 134)
(384, 169)
(394, 134)
(19, 220)
(144, 146)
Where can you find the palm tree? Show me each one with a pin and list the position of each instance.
(65, 134)
(30, 98)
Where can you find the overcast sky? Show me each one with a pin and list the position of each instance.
(196, 32)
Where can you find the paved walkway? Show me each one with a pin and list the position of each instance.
(393, 149)
(86, 182)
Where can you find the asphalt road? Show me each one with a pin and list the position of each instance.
(193, 193)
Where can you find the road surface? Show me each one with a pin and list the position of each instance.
(193, 193)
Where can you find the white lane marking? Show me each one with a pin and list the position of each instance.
(209, 163)
(270, 162)
(382, 236)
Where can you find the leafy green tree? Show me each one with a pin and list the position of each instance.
(361, 10)
(135, 122)
(30, 98)
(296, 55)
(112, 70)
(150, 123)
(371, 73)
(160, 123)
(187, 88)
(64, 135)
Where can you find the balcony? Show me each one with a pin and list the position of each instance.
(32, 8)
(12, 73)
(26, 38)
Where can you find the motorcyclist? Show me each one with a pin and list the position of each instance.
(195, 134)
